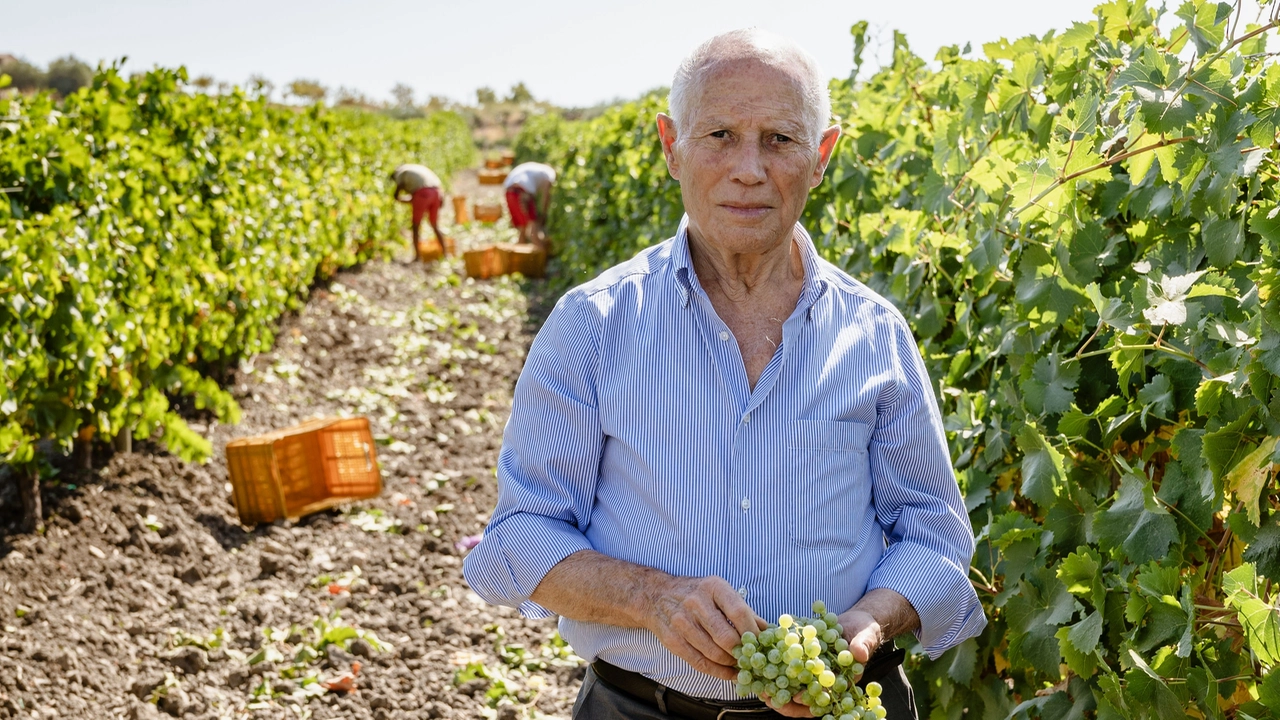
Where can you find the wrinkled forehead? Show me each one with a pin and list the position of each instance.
(735, 81)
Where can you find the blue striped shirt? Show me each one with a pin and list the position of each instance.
(634, 432)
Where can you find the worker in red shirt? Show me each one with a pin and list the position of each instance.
(528, 188)
(419, 187)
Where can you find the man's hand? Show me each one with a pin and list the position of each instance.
(701, 620)
(697, 619)
(880, 615)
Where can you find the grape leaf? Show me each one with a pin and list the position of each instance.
(1223, 240)
(1157, 397)
(1260, 620)
(1147, 686)
(1034, 615)
(963, 662)
(1249, 477)
(1042, 471)
(1264, 549)
(1049, 391)
(1136, 523)
(1224, 447)
(1081, 573)
(1269, 689)
(1265, 221)
(1082, 662)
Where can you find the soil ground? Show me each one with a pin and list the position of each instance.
(145, 597)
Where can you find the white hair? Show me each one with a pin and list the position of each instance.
(772, 50)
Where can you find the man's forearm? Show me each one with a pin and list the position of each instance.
(591, 587)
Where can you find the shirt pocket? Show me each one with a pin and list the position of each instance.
(832, 482)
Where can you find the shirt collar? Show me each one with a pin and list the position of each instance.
(687, 280)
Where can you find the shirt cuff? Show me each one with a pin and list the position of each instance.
(940, 592)
(514, 556)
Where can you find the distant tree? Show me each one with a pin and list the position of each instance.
(520, 94)
(437, 102)
(403, 95)
(486, 96)
(25, 76)
(260, 85)
(68, 74)
(310, 90)
(347, 97)
(204, 82)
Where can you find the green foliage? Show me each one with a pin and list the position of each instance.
(151, 237)
(614, 196)
(1083, 230)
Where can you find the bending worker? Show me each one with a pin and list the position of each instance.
(727, 428)
(423, 189)
(528, 188)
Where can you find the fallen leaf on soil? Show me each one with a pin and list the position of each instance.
(345, 683)
(468, 542)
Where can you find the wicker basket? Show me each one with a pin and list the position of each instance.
(491, 177)
(303, 469)
(486, 262)
(488, 212)
(508, 158)
(494, 163)
(528, 260)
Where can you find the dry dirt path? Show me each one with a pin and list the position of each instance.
(145, 597)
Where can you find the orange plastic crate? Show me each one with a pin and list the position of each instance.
(303, 469)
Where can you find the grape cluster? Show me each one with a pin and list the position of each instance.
(806, 660)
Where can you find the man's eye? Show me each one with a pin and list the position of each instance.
(781, 138)
(720, 134)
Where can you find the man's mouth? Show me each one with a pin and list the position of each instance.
(746, 210)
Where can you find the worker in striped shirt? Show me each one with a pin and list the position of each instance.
(417, 186)
(727, 428)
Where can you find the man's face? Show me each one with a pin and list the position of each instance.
(744, 162)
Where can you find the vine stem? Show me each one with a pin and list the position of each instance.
(1161, 347)
(1114, 160)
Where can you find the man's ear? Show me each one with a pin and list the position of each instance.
(667, 132)
(826, 146)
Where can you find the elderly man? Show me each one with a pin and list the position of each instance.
(726, 428)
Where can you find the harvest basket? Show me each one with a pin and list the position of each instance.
(488, 212)
(494, 163)
(303, 469)
(486, 262)
(528, 260)
(508, 158)
(460, 214)
(489, 176)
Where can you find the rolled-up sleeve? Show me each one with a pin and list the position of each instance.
(918, 504)
(549, 463)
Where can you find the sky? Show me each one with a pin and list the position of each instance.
(570, 52)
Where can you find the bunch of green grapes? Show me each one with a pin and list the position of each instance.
(807, 660)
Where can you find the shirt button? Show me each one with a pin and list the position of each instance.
(724, 334)
(746, 504)
(746, 418)
(742, 592)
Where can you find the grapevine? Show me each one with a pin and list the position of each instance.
(807, 660)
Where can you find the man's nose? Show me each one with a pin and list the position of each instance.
(747, 164)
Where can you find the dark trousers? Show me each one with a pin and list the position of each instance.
(598, 701)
